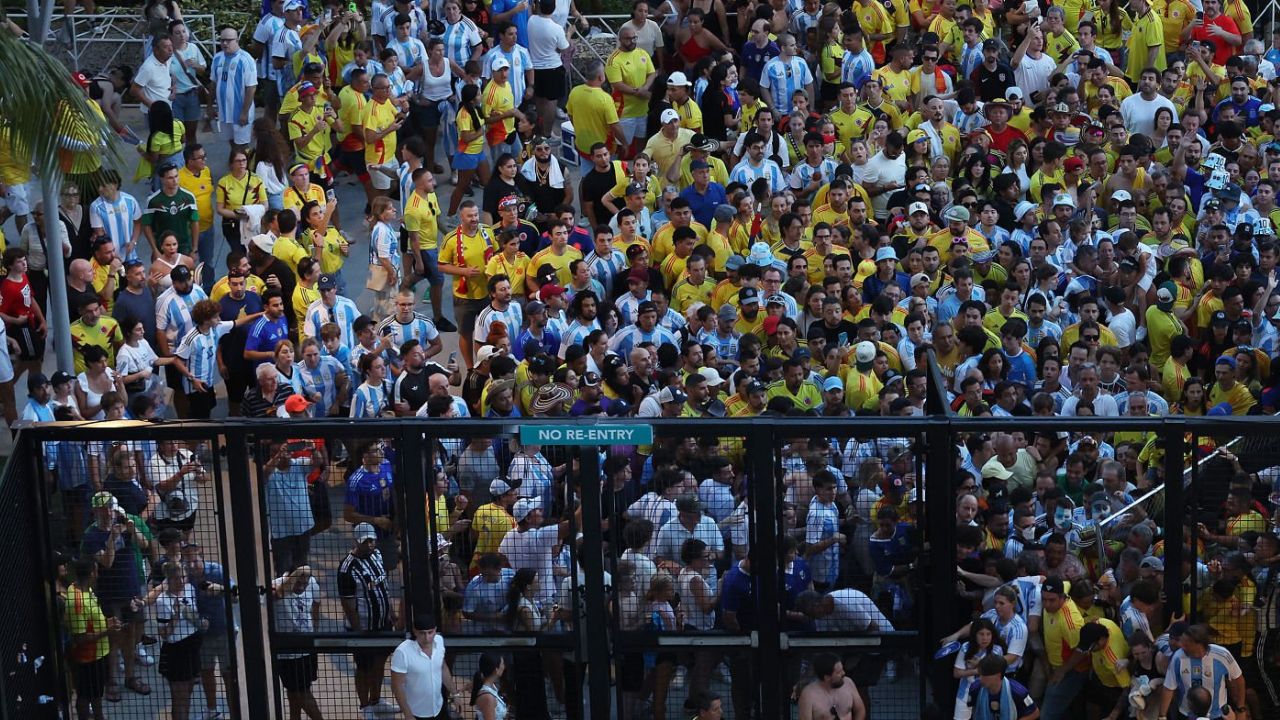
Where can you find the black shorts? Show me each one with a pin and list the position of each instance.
(90, 679)
(549, 84)
(201, 404)
(467, 311)
(180, 661)
(297, 674)
(30, 344)
(365, 659)
(118, 608)
(173, 378)
(351, 161)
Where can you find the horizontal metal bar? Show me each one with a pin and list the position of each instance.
(832, 642)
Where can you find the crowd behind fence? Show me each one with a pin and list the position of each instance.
(731, 560)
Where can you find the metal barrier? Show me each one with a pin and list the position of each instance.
(272, 497)
(92, 43)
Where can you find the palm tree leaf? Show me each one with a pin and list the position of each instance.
(45, 114)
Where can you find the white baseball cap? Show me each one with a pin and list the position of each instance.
(918, 207)
(669, 115)
(678, 79)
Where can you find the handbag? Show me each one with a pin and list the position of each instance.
(379, 279)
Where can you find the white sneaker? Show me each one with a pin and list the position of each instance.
(141, 655)
(368, 713)
(382, 706)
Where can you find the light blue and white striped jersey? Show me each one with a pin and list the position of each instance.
(400, 85)
(856, 68)
(521, 62)
(459, 40)
(801, 22)
(512, 318)
(1013, 636)
(782, 78)
(322, 380)
(386, 25)
(292, 380)
(371, 66)
(576, 333)
(265, 35)
(173, 312)
(285, 45)
(200, 353)
(970, 58)
(369, 400)
(672, 320)
(117, 220)
(384, 242)
(804, 173)
(1213, 672)
(343, 313)
(411, 51)
(418, 328)
(726, 347)
(405, 175)
(627, 339)
(234, 76)
(1133, 621)
(627, 305)
(1028, 587)
(605, 268)
(746, 173)
(822, 522)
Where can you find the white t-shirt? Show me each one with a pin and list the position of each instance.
(155, 78)
(130, 360)
(424, 675)
(546, 41)
(179, 612)
(532, 549)
(1033, 74)
(881, 170)
(1140, 114)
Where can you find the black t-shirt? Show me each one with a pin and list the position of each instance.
(288, 281)
(844, 328)
(495, 191)
(993, 84)
(412, 389)
(595, 185)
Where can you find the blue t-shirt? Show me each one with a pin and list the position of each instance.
(213, 607)
(738, 595)
(371, 493)
(520, 19)
(121, 581)
(264, 333)
(1022, 369)
(1022, 702)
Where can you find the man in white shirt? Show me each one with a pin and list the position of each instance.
(884, 173)
(418, 672)
(1032, 66)
(546, 43)
(1139, 109)
(154, 80)
(263, 36)
(530, 545)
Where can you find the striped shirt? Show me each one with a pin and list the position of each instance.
(1013, 635)
(386, 25)
(411, 51)
(233, 77)
(627, 306)
(782, 78)
(368, 401)
(520, 62)
(200, 353)
(418, 328)
(805, 173)
(384, 243)
(364, 580)
(265, 35)
(405, 174)
(173, 312)
(460, 39)
(606, 268)
(855, 68)
(746, 173)
(322, 380)
(284, 45)
(576, 333)
(512, 318)
(1213, 672)
(117, 219)
(632, 337)
(371, 66)
(726, 347)
(343, 313)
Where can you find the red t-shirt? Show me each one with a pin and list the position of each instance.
(15, 297)
(1222, 50)
(1000, 140)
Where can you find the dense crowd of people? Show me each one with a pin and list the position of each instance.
(775, 210)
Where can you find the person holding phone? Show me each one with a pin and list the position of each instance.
(1213, 25)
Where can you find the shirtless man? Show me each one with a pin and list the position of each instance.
(830, 696)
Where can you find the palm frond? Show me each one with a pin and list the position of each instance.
(44, 113)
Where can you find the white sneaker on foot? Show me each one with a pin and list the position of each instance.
(382, 706)
(140, 653)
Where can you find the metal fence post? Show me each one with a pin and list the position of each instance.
(255, 583)
(765, 567)
(414, 453)
(939, 546)
(592, 560)
(1175, 511)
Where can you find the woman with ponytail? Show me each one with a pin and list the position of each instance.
(485, 697)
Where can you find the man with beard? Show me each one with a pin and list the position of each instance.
(830, 692)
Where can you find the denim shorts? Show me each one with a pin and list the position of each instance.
(186, 106)
(431, 266)
(467, 161)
